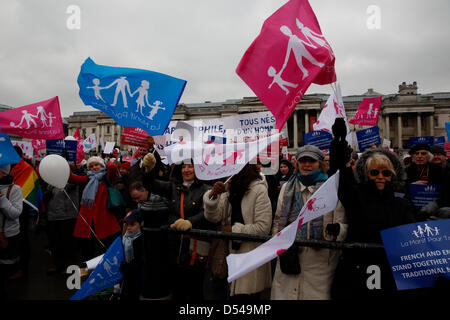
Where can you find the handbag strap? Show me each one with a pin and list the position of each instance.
(7, 197)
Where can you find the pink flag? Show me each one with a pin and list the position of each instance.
(368, 112)
(324, 200)
(80, 147)
(289, 54)
(77, 134)
(38, 144)
(41, 120)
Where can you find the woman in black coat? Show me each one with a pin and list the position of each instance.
(185, 195)
(373, 198)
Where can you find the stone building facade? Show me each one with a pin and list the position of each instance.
(403, 115)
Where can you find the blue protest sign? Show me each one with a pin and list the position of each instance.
(106, 274)
(132, 97)
(64, 148)
(367, 137)
(421, 140)
(447, 128)
(320, 139)
(422, 194)
(418, 253)
(439, 141)
(8, 154)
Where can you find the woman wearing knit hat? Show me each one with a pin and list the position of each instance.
(10, 210)
(94, 219)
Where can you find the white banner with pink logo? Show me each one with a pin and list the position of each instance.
(324, 200)
(215, 161)
(26, 147)
(41, 120)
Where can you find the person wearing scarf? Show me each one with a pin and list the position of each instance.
(93, 214)
(132, 268)
(305, 273)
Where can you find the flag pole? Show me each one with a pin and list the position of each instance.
(224, 183)
(84, 219)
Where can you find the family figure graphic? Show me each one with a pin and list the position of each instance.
(297, 47)
(28, 118)
(123, 87)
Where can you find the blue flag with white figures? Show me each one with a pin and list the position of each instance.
(8, 154)
(418, 253)
(106, 274)
(132, 97)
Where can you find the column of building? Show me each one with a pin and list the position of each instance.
(399, 126)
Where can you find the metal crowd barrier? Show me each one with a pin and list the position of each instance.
(256, 238)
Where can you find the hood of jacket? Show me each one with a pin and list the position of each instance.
(398, 181)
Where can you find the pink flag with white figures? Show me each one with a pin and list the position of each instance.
(324, 200)
(41, 120)
(80, 147)
(289, 54)
(368, 112)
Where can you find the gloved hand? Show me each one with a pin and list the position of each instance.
(339, 129)
(289, 261)
(217, 189)
(333, 229)
(181, 225)
(149, 162)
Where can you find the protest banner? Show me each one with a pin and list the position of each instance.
(26, 146)
(321, 202)
(124, 95)
(447, 149)
(368, 112)
(429, 140)
(134, 137)
(418, 253)
(7, 153)
(422, 194)
(367, 137)
(40, 120)
(275, 67)
(320, 139)
(90, 143)
(439, 141)
(38, 144)
(106, 273)
(65, 148)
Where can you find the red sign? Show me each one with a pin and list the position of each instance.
(447, 148)
(134, 136)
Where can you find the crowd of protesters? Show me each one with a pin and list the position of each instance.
(373, 195)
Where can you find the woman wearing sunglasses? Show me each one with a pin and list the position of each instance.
(373, 198)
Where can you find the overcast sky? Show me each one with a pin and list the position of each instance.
(202, 41)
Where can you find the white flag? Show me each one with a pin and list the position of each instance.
(334, 108)
(90, 143)
(215, 161)
(324, 200)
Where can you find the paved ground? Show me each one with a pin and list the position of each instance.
(37, 285)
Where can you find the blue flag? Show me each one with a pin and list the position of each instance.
(106, 274)
(320, 139)
(367, 137)
(132, 97)
(8, 154)
(418, 253)
(447, 128)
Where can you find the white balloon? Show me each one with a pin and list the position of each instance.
(55, 170)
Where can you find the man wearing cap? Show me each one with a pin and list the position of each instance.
(422, 171)
(439, 156)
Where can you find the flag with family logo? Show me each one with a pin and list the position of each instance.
(8, 154)
(40, 120)
(321, 202)
(289, 54)
(132, 97)
(106, 274)
(368, 112)
(90, 143)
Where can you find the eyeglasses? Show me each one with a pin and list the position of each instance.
(385, 173)
(420, 153)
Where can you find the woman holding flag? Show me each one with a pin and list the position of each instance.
(305, 273)
(370, 196)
